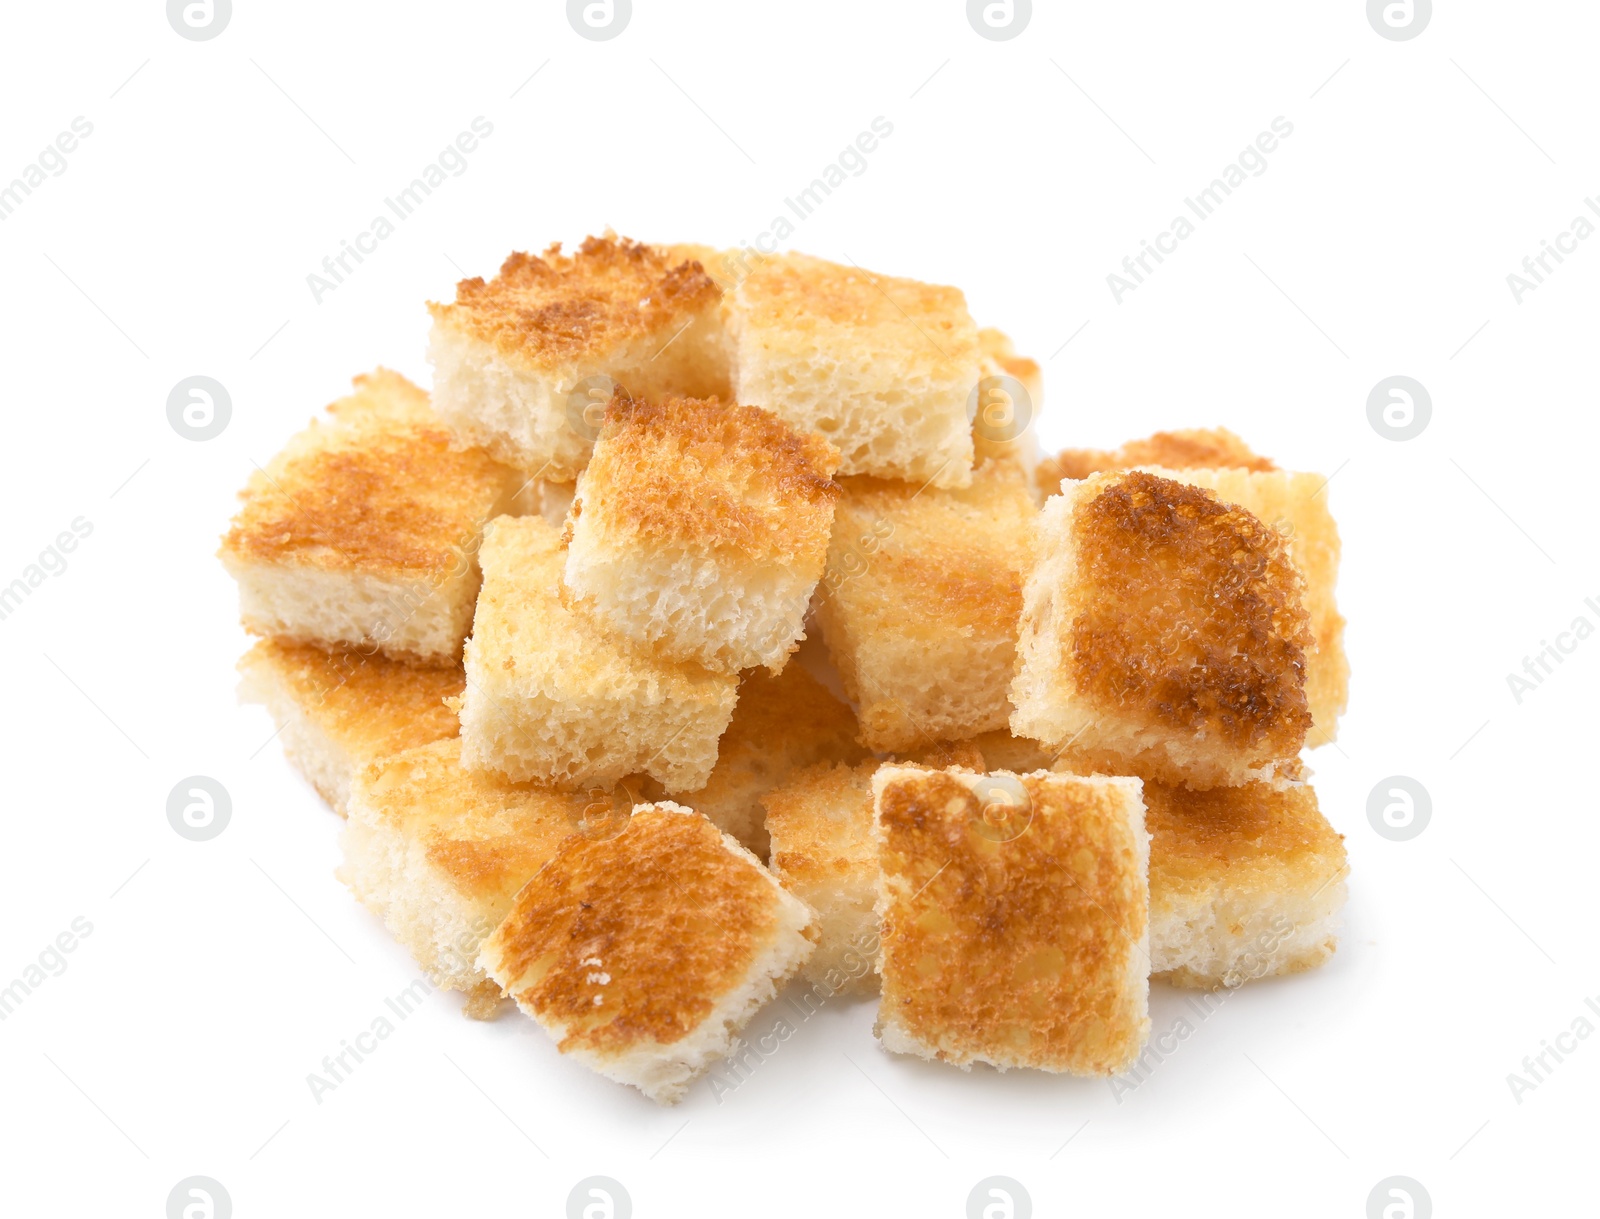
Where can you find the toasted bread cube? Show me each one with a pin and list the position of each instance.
(823, 852)
(920, 604)
(700, 529)
(1296, 505)
(1245, 882)
(643, 954)
(1005, 427)
(525, 363)
(552, 698)
(1186, 449)
(336, 710)
(1164, 634)
(1002, 751)
(779, 725)
(438, 851)
(1015, 919)
(363, 531)
(883, 367)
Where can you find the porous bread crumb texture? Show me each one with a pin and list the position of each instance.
(363, 531)
(779, 724)
(882, 367)
(516, 358)
(700, 529)
(1020, 947)
(1164, 634)
(920, 602)
(1296, 505)
(438, 851)
(644, 953)
(553, 698)
(823, 852)
(1185, 449)
(1245, 882)
(338, 709)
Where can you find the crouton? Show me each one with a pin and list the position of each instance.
(1296, 505)
(1187, 449)
(1009, 398)
(779, 724)
(1164, 634)
(552, 698)
(823, 852)
(920, 604)
(1245, 882)
(699, 530)
(438, 851)
(644, 953)
(338, 710)
(363, 531)
(882, 367)
(1014, 916)
(525, 363)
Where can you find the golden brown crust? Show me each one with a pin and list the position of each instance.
(483, 834)
(379, 489)
(369, 704)
(631, 940)
(1016, 950)
(1256, 837)
(552, 310)
(1186, 449)
(710, 475)
(821, 823)
(1187, 613)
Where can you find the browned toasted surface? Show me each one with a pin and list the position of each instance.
(555, 309)
(821, 824)
(779, 723)
(483, 833)
(1254, 838)
(1186, 449)
(711, 475)
(1017, 950)
(631, 940)
(378, 488)
(369, 705)
(1187, 613)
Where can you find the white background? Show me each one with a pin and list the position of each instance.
(1378, 241)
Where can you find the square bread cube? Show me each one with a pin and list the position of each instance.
(553, 698)
(1015, 919)
(779, 724)
(644, 953)
(336, 710)
(363, 531)
(823, 852)
(525, 363)
(920, 603)
(1296, 505)
(883, 367)
(1185, 449)
(1164, 634)
(438, 851)
(1245, 882)
(700, 528)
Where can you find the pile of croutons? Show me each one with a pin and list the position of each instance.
(546, 641)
